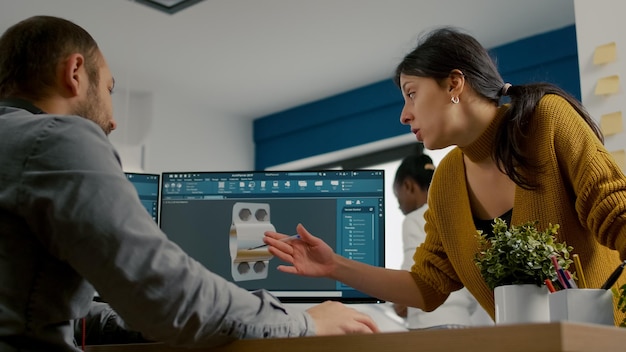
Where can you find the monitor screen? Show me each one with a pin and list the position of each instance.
(219, 219)
(147, 186)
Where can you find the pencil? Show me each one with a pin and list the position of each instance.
(294, 237)
(579, 271)
(614, 276)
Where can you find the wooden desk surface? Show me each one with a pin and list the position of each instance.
(548, 337)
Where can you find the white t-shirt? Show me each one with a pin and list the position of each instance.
(461, 308)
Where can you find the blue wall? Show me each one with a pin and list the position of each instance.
(372, 113)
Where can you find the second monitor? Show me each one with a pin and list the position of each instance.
(219, 219)
(147, 186)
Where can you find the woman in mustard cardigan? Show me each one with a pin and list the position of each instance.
(539, 158)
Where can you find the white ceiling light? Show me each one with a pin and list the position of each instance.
(168, 6)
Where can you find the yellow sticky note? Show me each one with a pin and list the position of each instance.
(605, 53)
(611, 123)
(607, 85)
(620, 158)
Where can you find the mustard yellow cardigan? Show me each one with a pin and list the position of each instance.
(582, 189)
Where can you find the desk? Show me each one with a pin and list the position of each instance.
(548, 337)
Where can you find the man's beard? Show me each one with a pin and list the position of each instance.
(91, 109)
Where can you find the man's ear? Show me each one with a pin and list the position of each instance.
(74, 74)
(456, 82)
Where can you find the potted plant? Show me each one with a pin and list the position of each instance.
(621, 303)
(515, 262)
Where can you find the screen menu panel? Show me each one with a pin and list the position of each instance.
(147, 186)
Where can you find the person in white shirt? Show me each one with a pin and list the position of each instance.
(411, 183)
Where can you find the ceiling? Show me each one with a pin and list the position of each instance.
(250, 58)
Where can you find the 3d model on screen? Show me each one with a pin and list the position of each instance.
(250, 258)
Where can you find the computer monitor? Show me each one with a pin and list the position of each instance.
(147, 186)
(219, 219)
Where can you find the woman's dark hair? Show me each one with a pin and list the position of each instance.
(446, 49)
(31, 50)
(417, 167)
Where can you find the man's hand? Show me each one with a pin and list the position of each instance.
(334, 318)
(400, 309)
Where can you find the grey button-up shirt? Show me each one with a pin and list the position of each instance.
(71, 222)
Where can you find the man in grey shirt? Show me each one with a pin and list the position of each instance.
(71, 222)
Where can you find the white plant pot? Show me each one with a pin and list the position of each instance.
(517, 304)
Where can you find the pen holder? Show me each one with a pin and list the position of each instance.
(517, 304)
(594, 306)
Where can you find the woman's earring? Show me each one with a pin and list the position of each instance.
(455, 100)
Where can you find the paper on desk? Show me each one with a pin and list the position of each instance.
(607, 85)
(620, 158)
(605, 53)
(611, 123)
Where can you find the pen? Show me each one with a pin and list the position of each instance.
(579, 271)
(614, 276)
(550, 286)
(294, 237)
(563, 276)
(557, 285)
(559, 273)
(570, 280)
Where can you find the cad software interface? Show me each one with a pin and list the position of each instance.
(147, 186)
(219, 218)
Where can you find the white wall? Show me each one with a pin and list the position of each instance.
(197, 142)
(159, 132)
(600, 22)
(133, 113)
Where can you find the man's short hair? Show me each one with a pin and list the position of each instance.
(31, 50)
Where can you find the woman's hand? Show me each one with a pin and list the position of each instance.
(308, 255)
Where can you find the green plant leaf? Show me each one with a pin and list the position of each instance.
(621, 302)
(520, 254)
